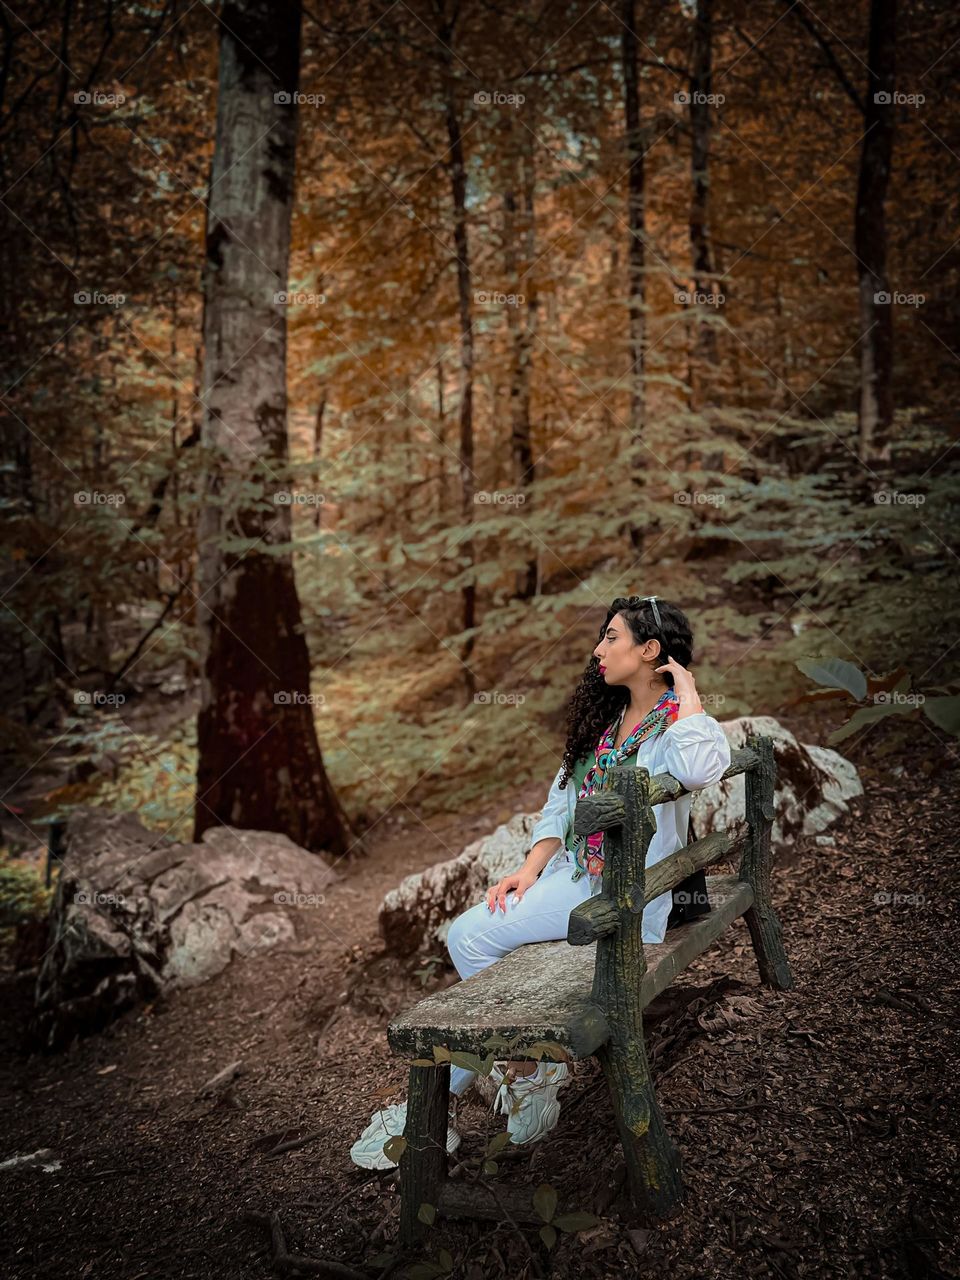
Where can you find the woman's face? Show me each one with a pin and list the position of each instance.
(619, 655)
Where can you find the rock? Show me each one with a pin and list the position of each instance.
(136, 915)
(418, 912)
(814, 787)
(44, 1159)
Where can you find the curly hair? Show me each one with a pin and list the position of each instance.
(594, 704)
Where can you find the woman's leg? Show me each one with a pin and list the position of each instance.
(479, 937)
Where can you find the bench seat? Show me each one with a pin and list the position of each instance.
(544, 989)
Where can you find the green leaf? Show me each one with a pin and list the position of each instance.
(499, 1042)
(469, 1061)
(835, 673)
(548, 1235)
(490, 1166)
(441, 1053)
(427, 1213)
(545, 1201)
(867, 715)
(497, 1143)
(944, 712)
(577, 1221)
(546, 1049)
(446, 1259)
(379, 1261)
(394, 1147)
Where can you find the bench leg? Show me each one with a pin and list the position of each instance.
(423, 1164)
(768, 946)
(654, 1175)
(756, 865)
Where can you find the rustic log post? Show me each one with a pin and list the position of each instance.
(653, 1163)
(423, 1164)
(755, 867)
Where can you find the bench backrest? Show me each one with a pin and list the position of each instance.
(623, 810)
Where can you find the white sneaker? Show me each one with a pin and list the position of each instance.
(529, 1102)
(387, 1123)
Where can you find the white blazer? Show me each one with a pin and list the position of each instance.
(696, 751)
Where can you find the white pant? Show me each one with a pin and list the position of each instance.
(478, 937)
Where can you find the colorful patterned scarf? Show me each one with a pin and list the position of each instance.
(588, 850)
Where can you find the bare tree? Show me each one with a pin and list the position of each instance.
(875, 410)
(875, 401)
(635, 232)
(259, 760)
(701, 77)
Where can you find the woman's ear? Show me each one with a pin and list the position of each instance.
(651, 650)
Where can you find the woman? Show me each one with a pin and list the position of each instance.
(636, 702)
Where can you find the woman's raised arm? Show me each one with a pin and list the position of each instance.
(696, 751)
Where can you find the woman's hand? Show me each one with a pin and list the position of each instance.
(517, 881)
(685, 688)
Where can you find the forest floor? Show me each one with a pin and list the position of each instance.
(818, 1127)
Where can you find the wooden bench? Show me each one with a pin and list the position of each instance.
(586, 995)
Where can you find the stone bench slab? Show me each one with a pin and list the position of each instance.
(543, 990)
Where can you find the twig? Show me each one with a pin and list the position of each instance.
(286, 1262)
(526, 1243)
(380, 1228)
(294, 1144)
(747, 1106)
(219, 1084)
(887, 997)
(172, 597)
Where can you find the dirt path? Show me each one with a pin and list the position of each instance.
(817, 1127)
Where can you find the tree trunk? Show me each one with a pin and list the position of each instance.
(522, 321)
(259, 761)
(701, 75)
(318, 451)
(875, 410)
(635, 254)
(458, 188)
(442, 442)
